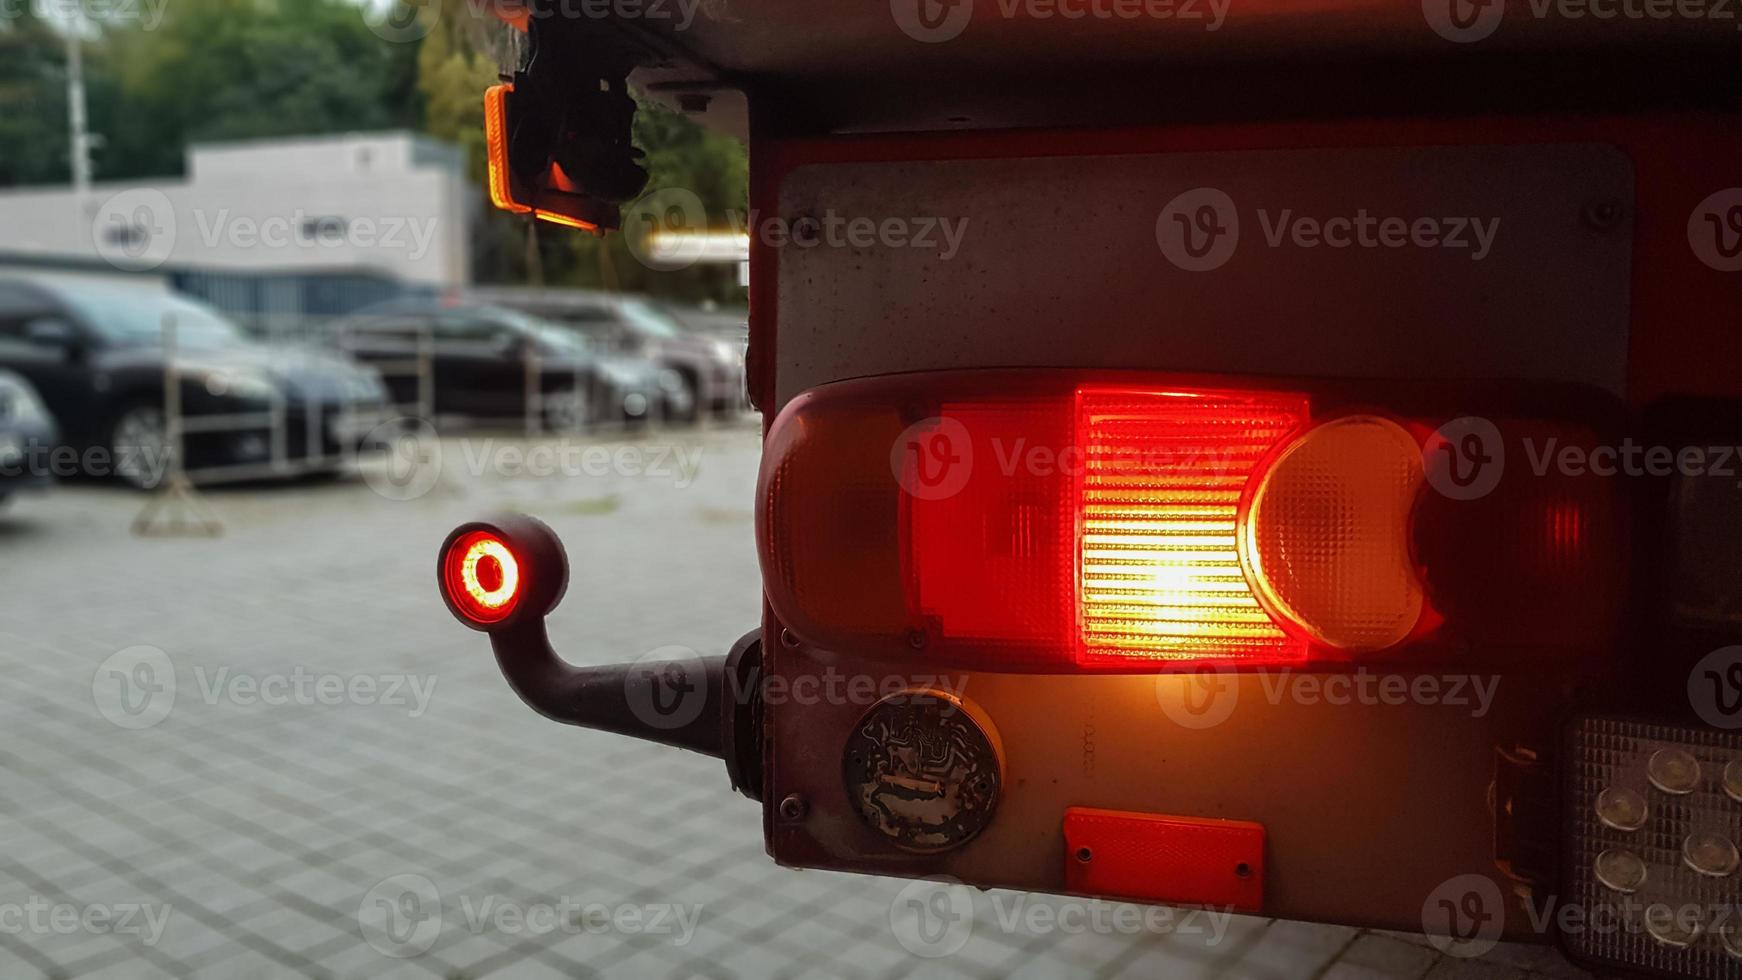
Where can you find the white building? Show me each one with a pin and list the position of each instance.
(255, 226)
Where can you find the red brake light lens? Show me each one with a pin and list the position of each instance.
(1057, 522)
(482, 577)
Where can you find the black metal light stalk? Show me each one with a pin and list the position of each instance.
(617, 697)
(652, 700)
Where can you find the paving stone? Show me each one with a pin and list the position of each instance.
(13, 965)
(1374, 956)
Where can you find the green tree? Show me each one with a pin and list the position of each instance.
(461, 57)
(33, 106)
(242, 69)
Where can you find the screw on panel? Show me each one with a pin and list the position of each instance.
(787, 639)
(804, 230)
(1602, 214)
(916, 639)
(793, 809)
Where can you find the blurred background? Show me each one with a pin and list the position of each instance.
(263, 342)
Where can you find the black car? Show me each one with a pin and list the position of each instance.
(27, 438)
(712, 367)
(96, 352)
(483, 359)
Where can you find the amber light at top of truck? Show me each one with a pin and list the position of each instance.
(505, 193)
(1055, 521)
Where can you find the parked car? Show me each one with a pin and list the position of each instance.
(27, 438)
(95, 351)
(715, 322)
(711, 367)
(482, 359)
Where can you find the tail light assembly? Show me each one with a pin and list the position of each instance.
(1061, 522)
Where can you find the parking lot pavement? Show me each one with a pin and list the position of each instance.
(274, 753)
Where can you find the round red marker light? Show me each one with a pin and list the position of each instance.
(482, 577)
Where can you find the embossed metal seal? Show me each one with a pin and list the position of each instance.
(922, 771)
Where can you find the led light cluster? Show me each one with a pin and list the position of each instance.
(1652, 861)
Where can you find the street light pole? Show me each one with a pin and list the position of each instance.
(81, 140)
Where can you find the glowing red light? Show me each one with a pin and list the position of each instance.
(482, 577)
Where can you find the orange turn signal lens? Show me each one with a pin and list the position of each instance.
(501, 177)
(496, 149)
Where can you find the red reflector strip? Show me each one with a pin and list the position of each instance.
(1158, 501)
(1173, 860)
